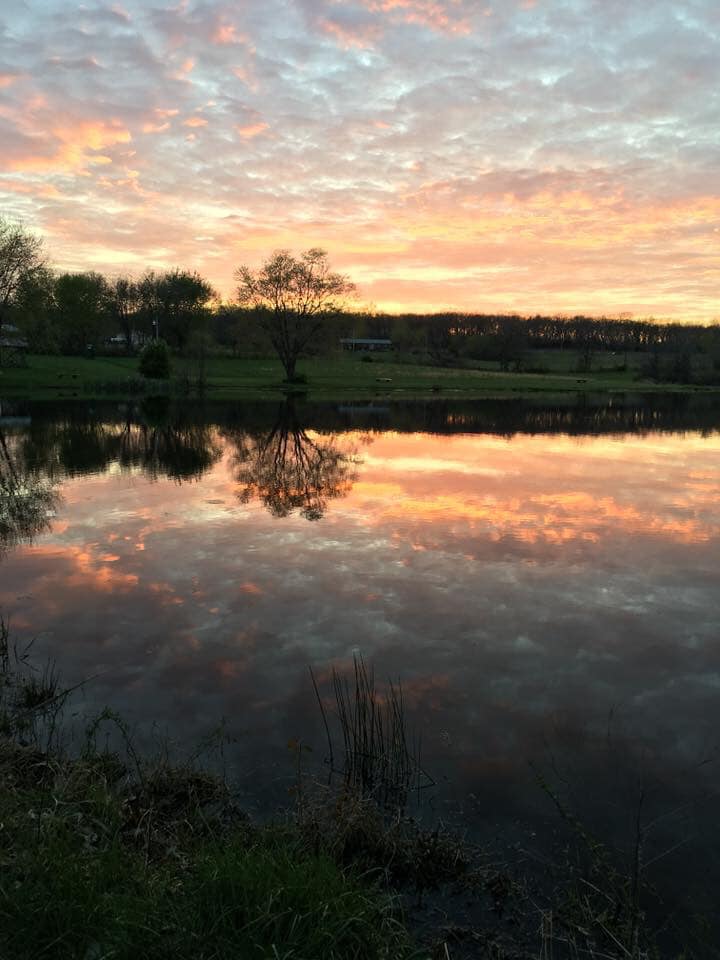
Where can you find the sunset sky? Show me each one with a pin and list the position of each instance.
(528, 155)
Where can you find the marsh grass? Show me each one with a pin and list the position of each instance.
(94, 863)
(108, 854)
(31, 698)
(379, 759)
(74, 883)
(602, 901)
(354, 830)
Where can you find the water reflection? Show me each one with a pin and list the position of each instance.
(153, 437)
(163, 446)
(28, 500)
(289, 470)
(543, 576)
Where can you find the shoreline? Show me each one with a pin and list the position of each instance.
(338, 379)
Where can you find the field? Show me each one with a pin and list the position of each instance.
(334, 377)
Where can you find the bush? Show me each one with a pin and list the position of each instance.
(155, 361)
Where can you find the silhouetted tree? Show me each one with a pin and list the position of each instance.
(173, 304)
(20, 258)
(82, 303)
(293, 296)
(512, 342)
(34, 310)
(124, 303)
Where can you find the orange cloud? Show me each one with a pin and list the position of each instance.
(78, 146)
(446, 17)
(155, 127)
(252, 130)
(195, 122)
(251, 588)
(87, 568)
(226, 33)
(430, 493)
(362, 36)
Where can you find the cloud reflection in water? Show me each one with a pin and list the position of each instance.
(526, 589)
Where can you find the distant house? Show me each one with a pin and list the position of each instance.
(119, 340)
(365, 343)
(13, 347)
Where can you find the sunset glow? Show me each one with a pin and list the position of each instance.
(531, 155)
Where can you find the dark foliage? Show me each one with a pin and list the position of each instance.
(155, 361)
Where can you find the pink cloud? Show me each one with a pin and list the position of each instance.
(350, 36)
(226, 33)
(73, 147)
(251, 130)
(155, 127)
(447, 16)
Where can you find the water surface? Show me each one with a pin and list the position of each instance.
(543, 577)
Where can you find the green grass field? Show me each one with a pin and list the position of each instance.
(336, 377)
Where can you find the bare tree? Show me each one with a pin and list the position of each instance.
(293, 295)
(20, 257)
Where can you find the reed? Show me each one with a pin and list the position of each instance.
(379, 758)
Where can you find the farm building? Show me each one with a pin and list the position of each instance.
(13, 347)
(365, 343)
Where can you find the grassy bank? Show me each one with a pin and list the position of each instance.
(96, 864)
(104, 854)
(333, 378)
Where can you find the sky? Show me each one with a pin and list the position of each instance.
(538, 156)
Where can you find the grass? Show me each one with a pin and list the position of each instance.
(380, 760)
(71, 885)
(94, 863)
(109, 857)
(104, 859)
(336, 377)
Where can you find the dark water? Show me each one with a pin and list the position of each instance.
(542, 577)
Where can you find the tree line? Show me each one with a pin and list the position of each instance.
(296, 306)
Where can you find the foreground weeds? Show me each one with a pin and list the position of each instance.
(111, 856)
(95, 864)
(108, 855)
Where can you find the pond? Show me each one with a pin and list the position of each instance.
(542, 577)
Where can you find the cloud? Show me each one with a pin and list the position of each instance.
(252, 130)
(446, 153)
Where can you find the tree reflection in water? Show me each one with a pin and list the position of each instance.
(152, 437)
(28, 500)
(168, 446)
(287, 469)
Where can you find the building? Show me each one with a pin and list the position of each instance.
(365, 343)
(13, 347)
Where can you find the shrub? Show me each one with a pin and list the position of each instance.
(155, 360)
